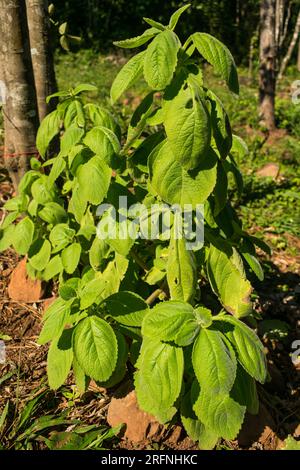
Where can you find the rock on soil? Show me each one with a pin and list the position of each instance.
(23, 289)
(139, 424)
(269, 170)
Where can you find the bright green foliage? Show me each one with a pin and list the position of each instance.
(95, 348)
(59, 360)
(159, 377)
(171, 307)
(221, 414)
(174, 184)
(127, 76)
(219, 57)
(187, 125)
(161, 59)
(224, 269)
(214, 362)
(291, 444)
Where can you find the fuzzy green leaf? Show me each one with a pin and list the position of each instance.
(40, 260)
(187, 125)
(181, 270)
(176, 15)
(70, 257)
(161, 60)
(103, 142)
(23, 236)
(244, 391)
(53, 268)
(127, 76)
(219, 56)
(120, 369)
(53, 213)
(174, 184)
(95, 348)
(6, 237)
(94, 178)
(41, 191)
(159, 378)
(220, 413)
(101, 117)
(59, 359)
(54, 320)
(214, 362)
(203, 316)
(84, 87)
(220, 125)
(138, 40)
(81, 379)
(92, 292)
(168, 321)
(126, 308)
(250, 351)
(98, 252)
(60, 236)
(196, 430)
(228, 281)
(49, 127)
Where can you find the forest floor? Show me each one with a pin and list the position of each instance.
(269, 208)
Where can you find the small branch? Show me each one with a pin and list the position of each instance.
(154, 296)
(286, 24)
(139, 260)
(161, 290)
(290, 48)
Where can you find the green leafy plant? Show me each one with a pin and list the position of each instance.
(172, 307)
(291, 444)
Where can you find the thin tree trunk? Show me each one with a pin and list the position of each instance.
(279, 20)
(285, 24)
(41, 54)
(267, 65)
(298, 58)
(251, 53)
(20, 108)
(291, 47)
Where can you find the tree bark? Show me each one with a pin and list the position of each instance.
(254, 40)
(267, 63)
(291, 47)
(41, 54)
(298, 57)
(285, 25)
(20, 108)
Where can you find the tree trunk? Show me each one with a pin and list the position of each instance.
(298, 58)
(41, 54)
(291, 47)
(251, 55)
(267, 63)
(285, 23)
(20, 108)
(253, 43)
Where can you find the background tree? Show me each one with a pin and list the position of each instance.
(232, 21)
(41, 53)
(267, 63)
(20, 106)
(290, 49)
(276, 21)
